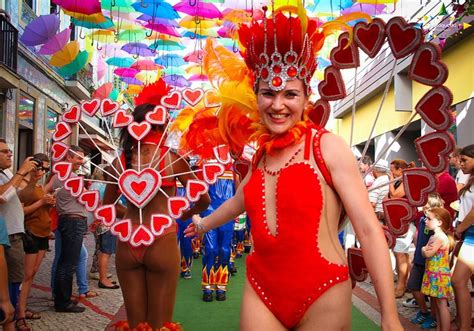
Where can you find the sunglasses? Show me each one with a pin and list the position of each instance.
(45, 169)
(6, 151)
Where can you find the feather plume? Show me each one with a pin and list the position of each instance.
(202, 136)
(152, 93)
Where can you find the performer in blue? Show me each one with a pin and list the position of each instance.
(185, 244)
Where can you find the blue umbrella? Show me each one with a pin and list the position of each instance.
(170, 60)
(167, 45)
(122, 62)
(156, 9)
(139, 49)
(192, 35)
(90, 25)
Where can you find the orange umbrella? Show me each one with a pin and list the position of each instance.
(65, 55)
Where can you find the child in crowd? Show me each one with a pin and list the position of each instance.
(437, 277)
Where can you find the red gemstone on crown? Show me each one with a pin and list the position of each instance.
(264, 73)
(276, 69)
(292, 71)
(263, 59)
(276, 58)
(277, 81)
(303, 72)
(290, 59)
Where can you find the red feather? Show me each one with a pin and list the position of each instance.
(152, 93)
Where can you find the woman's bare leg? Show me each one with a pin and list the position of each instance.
(402, 270)
(32, 263)
(461, 275)
(444, 317)
(103, 262)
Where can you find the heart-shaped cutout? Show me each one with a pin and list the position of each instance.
(139, 187)
(177, 206)
(357, 267)
(346, 54)
(434, 108)
(370, 36)
(398, 215)
(403, 37)
(434, 149)
(122, 229)
(391, 238)
(319, 113)
(106, 214)
(426, 67)
(122, 118)
(108, 107)
(222, 154)
(157, 116)
(91, 107)
(90, 199)
(332, 87)
(159, 223)
(139, 130)
(61, 131)
(211, 171)
(141, 236)
(193, 96)
(418, 183)
(74, 185)
(172, 100)
(195, 188)
(241, 167)
(58, 151)
(211, 100)
(72, 115)
(63, 170)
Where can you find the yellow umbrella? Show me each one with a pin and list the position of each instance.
(65, 55)
(94, 18)
(194, 69)
(148, 77)
(133, 89)
(189, 22)
(103, 36)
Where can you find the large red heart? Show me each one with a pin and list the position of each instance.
(370, 37)
(177, 205)
(122, 229)
(355, 261)
(106, 214)
(222, 154)
(434, 148)
(91, 107)
(157, 116)
(398, 215)
(63, 170)
(391, 238)
(108, 107)
(211, 171)
(122, 118)
(62, 131)
(139, 187)
(210, 99)
(192, 96)
(90, 199)
(172, 100)
(403, 37)
(139, 130)
(74, 185)
(141, 236)
(195, 188)
(242, 167)
(346, 54)
(418, 183)
(58, 151)
(159, 223)
(319, 113)
(332, 87)
(72, 115)
(426, 67)
(434, 108)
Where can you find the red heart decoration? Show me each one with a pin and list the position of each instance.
(418, 183)
(58, 151)
(434, 148)
(195, 188)
(177, 205)
(74, 185)
(398, 215)
(139, 187)
(141, 236)
(106, 214)
(222, 154)
(192, 96)
(90, 107)
(211, 171)
(370, 37)
(108, 107)
(63, 170)
(157, 116)
(319, 113)
(346, 54)
(122, 118)
(242, 167)
(210, 99)
(122, 229)
(172, 100)
(159, 223)
(61, 131)
(72, 115)
(355, 261)
(391, 238)
(139, 130)
(90, 199)
(434, 108)
(403, 37)
(426, 67)
(332, 87)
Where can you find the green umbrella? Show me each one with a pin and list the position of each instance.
(132, 35)
(76, 65)
(122, 62)
(167, 45)
(107, 4)
(174, 71)
(114, 94)
(90, 25)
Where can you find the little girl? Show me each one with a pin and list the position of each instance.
(437, 277)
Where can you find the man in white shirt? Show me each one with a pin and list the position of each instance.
(461, 178)
(379, 188)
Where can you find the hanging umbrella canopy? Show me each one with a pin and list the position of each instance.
(131, 81)
(65, 55)
(139, 49)
(157, 9)
(200, 9)
(101, 68)
(109, 4)
(132, 35)
(169, 30)
(86, 7)
(158, 20)
(122, 62)
(193, 35)
(194, 69)
(56, 42)
(40, 30)
(167, 45)
(191, 23)
(170, 60)
(108, 24)
(133, 89)
(177, 80)
(145, 65)
(148, 77)
(93, 18)
(72, 68)
(126, 72)
(174, 71)
(154, 35)
(102, 36)
(198, 78)
(103, 91)
(194, 56)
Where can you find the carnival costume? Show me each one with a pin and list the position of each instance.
(185, 244)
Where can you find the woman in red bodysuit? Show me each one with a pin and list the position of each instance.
(301, 178)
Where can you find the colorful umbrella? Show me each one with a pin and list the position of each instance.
(92, 25)
(102, 36)
(101, 68)
(146, 65)
(177, 80)
(122, 62)
(86, 7)
(158, 20)
(139, 49)
(194, 56)
(76, 65)
(174, 71)
(156, 9)
(170, 60)
(193, 35)
(198, 78)
(167, 45)
(103, 91)
(131, 81)
(148, 77)
(126, 72)
(56, 42)
(65, 55)
(40, 30)
(93, 18)
(191, 23)
(132, 35)
(200, 9)
(161, 28)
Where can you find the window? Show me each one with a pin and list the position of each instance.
(53, 8)
(30, 3)
(51, 120)
(26, 112)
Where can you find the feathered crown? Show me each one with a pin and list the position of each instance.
(152, 93)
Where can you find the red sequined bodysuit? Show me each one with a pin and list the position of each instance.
(287, 270)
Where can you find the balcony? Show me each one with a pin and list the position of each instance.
(8, 54)
(81, 84)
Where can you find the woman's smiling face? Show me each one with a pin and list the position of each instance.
(281, 110)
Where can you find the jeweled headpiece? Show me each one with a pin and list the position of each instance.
(281, 48)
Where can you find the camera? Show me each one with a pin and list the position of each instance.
(38, 162)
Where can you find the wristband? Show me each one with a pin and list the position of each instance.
(22, 175)
(200, 226)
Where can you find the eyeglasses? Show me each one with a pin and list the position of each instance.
(45, 169)
(6, 151)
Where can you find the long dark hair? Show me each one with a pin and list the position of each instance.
(469, 152)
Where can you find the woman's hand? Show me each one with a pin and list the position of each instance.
(196, 228)
(8, 310)
(49, 199)
(391, 322)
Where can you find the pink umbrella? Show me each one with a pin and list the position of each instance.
(198, 78)
(126, 72)
(87, 7)
(169, 30)
(147, 65)
(101, 68)
(56, 42)
(200, 8)
(40, 30)
(103, 91)
(195, 56)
